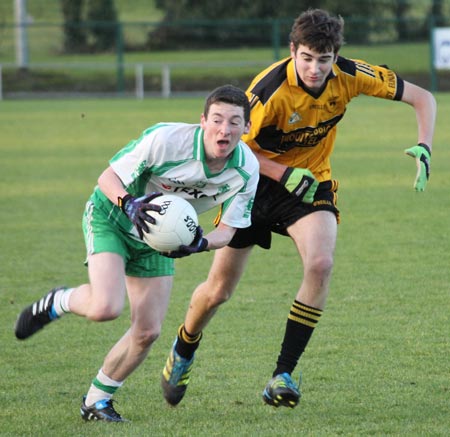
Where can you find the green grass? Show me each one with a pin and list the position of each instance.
(377, 364)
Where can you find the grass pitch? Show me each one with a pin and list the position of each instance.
(378, 361)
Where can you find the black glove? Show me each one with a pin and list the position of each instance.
(136, 210)
(199, 244)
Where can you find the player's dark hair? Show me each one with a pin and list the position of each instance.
(318, 30)
(228, 94)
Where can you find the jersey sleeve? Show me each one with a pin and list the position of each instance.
(371, 80)
(129, 162)
(236, 211)
(133, 164)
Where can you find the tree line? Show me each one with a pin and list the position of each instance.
(92, 25)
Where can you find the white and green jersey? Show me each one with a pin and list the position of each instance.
(170, 158)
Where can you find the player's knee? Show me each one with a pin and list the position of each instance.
(144, 338)
(219, 288)
(102, 312)
(219, 295)
(322, 265)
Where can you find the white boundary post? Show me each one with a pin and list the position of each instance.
(20, 11)
(165, 81)
(139, 74)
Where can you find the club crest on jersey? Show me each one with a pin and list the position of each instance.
(294, 118)
(223, 189)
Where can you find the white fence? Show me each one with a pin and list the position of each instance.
(165, 70)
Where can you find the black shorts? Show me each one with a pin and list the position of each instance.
(275, 209)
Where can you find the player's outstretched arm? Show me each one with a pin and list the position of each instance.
(424, 104)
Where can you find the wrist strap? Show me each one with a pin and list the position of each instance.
(122, 201)
(286, 175)
(426, 147)
(204, 245)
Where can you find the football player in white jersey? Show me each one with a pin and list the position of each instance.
(206, 164)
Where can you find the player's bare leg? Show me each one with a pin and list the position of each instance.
(223, 277)
(315, 238)
(104, 297)
(149, 299)
(101, 299)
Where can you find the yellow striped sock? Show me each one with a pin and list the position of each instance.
(304, 314)
(188, 338)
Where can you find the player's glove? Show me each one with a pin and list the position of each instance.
(136, 210)
(422, 154)
(301, 182)
(199, 244)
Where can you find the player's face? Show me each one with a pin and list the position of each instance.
(312, 67)
(223, 125)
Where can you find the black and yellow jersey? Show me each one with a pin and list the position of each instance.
(297, 128)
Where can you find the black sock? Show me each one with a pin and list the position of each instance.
(300, 325)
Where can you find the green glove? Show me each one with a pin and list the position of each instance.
(422, 154)
(301, 182)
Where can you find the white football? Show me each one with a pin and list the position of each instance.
(175, 224)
